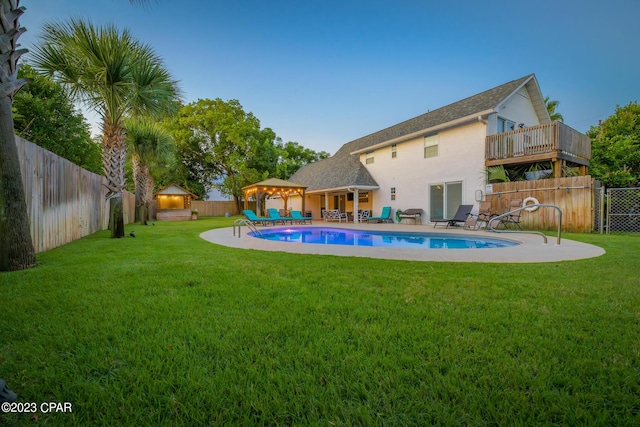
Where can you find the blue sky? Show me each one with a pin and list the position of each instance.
(323, 73)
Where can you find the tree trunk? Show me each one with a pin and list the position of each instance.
(114, 153)
(116, 216)
(16, 246)
(143, 214)
(135, 166)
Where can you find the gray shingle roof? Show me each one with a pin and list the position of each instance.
(344, 169)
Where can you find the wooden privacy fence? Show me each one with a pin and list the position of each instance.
(217, 208)
(573, 195)
(64, 201)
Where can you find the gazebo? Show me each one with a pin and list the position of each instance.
(273, 187)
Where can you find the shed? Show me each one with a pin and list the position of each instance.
(174, 203)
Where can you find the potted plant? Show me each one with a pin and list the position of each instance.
(194, 214)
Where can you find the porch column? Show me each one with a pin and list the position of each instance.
(258, 197)
(557, 168)
(326, 201)
(355, 206)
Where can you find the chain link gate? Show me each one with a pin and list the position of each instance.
(623, 210)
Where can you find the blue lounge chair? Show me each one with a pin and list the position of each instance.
(275, 215)
(251, 216)
(385, 216)
(461, 216)
(297, 216)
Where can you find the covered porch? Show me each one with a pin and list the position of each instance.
(349, 200)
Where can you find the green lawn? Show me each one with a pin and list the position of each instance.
(168, 329)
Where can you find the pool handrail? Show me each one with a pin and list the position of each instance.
(248, 223)
(537, 205)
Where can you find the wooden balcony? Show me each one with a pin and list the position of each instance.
(555, 142)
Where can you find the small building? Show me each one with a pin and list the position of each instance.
(174, 203)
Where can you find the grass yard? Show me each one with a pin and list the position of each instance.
(169, 330)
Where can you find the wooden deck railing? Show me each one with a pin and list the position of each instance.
(554, 137)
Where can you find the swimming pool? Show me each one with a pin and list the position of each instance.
(378, 238)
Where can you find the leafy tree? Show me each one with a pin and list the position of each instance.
(16, 246)
(551, 108)
(150, 146)
(115, 75)
(293, 156)
(44, 115)
(215, 139)
(615, 148)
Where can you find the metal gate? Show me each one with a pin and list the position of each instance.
(623, 210)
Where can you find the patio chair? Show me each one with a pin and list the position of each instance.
(385, 216)
(335, 215)
(513, 218)
(297, 216)
(363, 215)
(275, 215)
(485, 214)
(460, 217)
(251, 216)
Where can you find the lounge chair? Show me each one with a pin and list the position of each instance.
(513, 218)
(297, 216)
(460, 216)
(251, 216)
(275, 215)
(385, 216)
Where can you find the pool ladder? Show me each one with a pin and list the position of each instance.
(250, 225)
(540, 205)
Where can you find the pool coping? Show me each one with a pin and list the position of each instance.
(531, 248)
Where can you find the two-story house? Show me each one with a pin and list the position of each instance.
(439, 160)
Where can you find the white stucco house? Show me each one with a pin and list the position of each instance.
(438, 160)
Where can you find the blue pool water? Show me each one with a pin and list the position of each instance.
(339, 236)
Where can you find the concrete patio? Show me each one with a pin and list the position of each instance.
(531, 248)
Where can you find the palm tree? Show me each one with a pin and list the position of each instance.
(149, 146)
(16, 246)
(551, 108)
(116, 76)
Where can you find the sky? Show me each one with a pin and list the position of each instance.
(323, 73)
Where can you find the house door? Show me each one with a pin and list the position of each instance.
(340, 202)
(444, 199)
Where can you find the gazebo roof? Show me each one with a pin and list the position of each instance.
(275, 183)
(273, 187)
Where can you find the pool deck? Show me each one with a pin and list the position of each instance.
(531, 248)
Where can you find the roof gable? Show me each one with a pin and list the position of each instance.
(174, 189)
(469, 108)
(344, 168)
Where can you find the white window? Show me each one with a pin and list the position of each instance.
(431, 146)
(393, 193)
(369, 157)
(393, 151)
